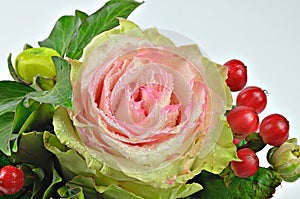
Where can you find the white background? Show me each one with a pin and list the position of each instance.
(264, 34)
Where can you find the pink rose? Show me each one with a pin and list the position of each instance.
(141, 103)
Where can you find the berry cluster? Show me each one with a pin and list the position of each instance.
(11, 180)
(243, 120)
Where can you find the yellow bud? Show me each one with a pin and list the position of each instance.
(35, 61)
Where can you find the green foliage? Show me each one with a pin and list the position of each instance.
(72, 33)
(229, 186)
(11, 94)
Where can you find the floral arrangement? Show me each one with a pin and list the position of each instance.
(104, 109)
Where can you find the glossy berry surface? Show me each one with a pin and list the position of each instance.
(274, 129)
(254, 97)
(11, 180)
(236, 75)
(243, 120)
(249, 164)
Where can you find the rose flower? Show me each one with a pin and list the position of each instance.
(148, 115)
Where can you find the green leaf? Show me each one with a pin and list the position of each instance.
(22, 113)
(32, 151)
(39, 162)
(72, 163)
(71, 193)
(11, 93)
(261, 185)
(6, 122)
(36, 117)
(62, 34)
(38, 184)
(12, 70)
(27, 46)
(39, 120)
(82, 15)
(51, 188)
(61, 92)
(103, 19)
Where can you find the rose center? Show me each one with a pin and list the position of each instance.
(148, 99)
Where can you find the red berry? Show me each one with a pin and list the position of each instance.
(243, 120)
(11, 180)
(236, 141)
(236, 75)
(254, 97)
(249, 164)
(274, 129)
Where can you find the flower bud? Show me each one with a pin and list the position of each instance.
(286, 160)
(35, 61)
